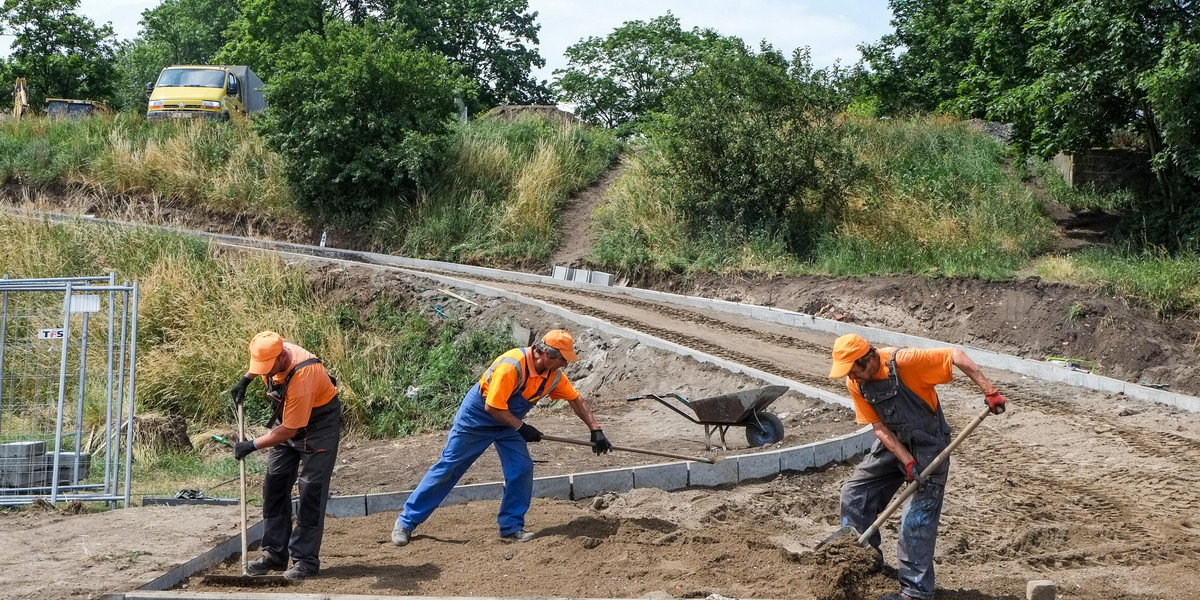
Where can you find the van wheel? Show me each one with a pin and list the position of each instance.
(225, 116)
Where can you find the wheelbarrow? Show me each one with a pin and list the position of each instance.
(739, 409)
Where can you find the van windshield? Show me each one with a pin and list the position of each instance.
(209, 78)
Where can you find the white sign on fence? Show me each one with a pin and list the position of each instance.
(51, 334)
(85, 303)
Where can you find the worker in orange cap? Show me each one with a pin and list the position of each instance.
(893, 391)
(492, 412)
(305, 427)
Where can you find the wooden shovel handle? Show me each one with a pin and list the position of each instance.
(242, 496)
(554, 438)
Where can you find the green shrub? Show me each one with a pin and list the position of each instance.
(360, 115)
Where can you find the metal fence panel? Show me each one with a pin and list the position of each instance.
(66, 389)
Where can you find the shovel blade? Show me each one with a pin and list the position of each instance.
(840, 533)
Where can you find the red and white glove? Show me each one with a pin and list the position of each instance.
(912, 472)
(995, 401)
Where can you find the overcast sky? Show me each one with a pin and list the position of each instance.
(831, 29)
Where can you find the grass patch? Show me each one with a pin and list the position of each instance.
(1087, 198)
(216, 166)
(938, 200)
(198, 311)
(638, 230)
(499, 195)
(1168, 283)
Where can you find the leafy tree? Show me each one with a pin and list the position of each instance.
(754, 143)
(360, 115)
(189, 31)
(138, 63)
(264, 27)
(1070, 75)
(619, 78)
(59, 52)
(493, 42)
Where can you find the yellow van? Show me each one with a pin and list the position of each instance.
(196, 91)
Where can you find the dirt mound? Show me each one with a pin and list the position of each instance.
(843, 570)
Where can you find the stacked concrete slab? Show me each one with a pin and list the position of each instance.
(25, 465)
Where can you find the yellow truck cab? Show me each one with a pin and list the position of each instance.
(194, 91)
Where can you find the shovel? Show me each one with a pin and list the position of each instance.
(554, 438)
(245, 579)
(909, 489)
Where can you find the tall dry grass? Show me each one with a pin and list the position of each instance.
(215, 166)
(499, 195)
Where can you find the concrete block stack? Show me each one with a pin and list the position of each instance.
(26, 465)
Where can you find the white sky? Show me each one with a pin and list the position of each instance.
(831, 29)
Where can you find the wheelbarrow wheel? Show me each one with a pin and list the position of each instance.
(764, 428)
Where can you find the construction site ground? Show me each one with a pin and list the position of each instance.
(1095, 492)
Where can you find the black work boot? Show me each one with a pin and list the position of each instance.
(299, 572)
(264, 564)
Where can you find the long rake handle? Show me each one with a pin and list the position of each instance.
(242, 497)
(911, 488)
(554, 438)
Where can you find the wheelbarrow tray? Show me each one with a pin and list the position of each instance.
(736, 407)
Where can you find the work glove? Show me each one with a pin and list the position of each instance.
(529, 433)
(600, 444)
(995, 401)
(912, 472)
(243, 449)
(238, 391)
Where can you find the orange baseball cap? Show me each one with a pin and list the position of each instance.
(563, 342)
(846, 350)
(264, 349)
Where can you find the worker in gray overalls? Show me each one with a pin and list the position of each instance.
(894, 392)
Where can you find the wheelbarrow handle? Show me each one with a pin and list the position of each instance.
(554, 438)
(933, 465)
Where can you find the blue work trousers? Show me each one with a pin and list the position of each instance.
(867, 493)
(464, 444)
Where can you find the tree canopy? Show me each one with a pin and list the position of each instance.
(60, 53)
(617, 79)
(1069, 75)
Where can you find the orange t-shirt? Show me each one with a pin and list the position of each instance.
(310, 387)
(497, 389)
(920, 370)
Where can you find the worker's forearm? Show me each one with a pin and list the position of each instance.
(972, 370)
(503, 415)
(891, 442)
(274, 437)
(584, 413)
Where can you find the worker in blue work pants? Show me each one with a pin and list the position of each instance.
(492, 413)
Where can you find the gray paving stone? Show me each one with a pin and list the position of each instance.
(557, 487)
(477, 491)
(345, 507)
(669, 476)
(724, 472)
(387, 502)
(799, 458)
(594, 483)
(22, 449)
(762, 465)
(827, 452)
